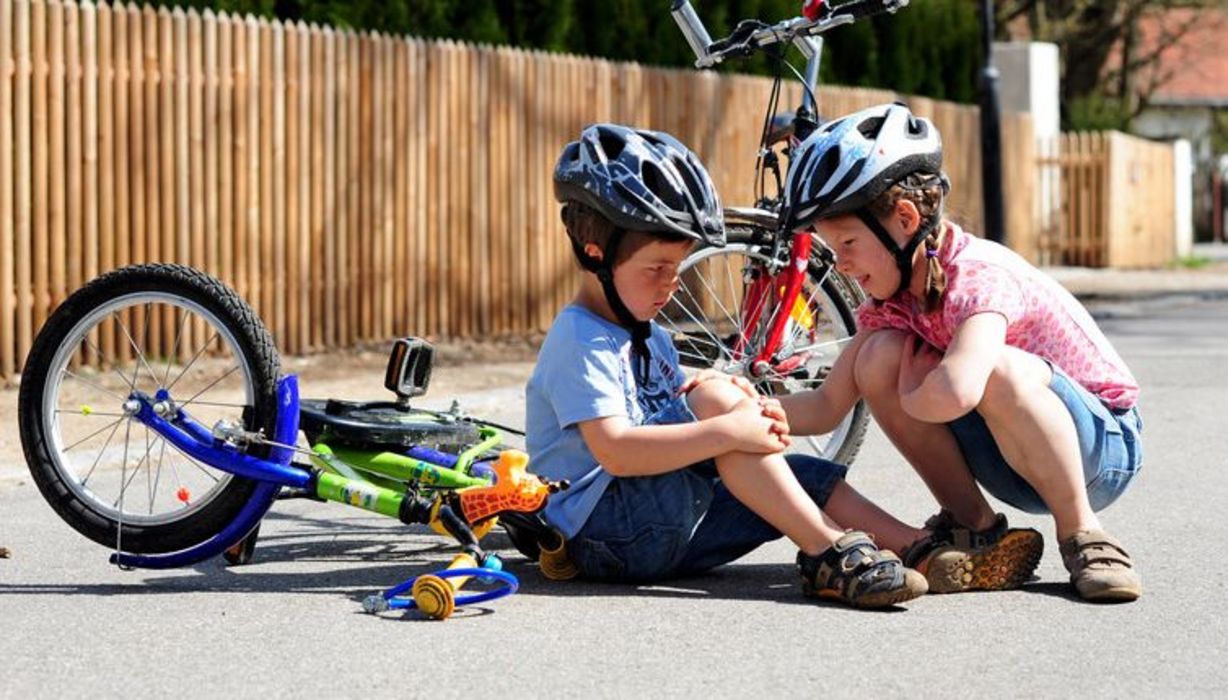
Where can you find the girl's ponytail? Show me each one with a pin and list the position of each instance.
(935, 277)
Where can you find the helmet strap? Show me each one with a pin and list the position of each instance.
(604, 269)
(903, 256)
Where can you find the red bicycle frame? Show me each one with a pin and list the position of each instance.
(785, 285)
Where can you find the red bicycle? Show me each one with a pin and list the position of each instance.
(770, 305)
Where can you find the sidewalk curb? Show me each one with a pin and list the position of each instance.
(1095, 296)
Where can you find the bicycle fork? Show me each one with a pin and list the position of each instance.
(786, 286)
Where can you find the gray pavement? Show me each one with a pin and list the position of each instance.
(1206, 277)
(290, 623)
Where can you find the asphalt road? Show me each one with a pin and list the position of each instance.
(291, 624)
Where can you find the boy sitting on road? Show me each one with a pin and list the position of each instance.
(667, 482)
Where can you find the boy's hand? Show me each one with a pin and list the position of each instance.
(754, 431)
(919, 359)
(709, 374)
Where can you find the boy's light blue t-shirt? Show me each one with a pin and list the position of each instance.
(583, 372)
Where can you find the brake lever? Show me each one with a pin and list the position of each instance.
(736, 42)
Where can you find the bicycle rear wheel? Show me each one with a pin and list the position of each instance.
(143, 328)
(706, 319)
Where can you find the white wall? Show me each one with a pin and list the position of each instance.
(1030, 75)
(1183, 209)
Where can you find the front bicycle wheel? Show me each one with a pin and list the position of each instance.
(143, 328)
(707, 319)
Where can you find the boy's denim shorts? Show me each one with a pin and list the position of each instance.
(1109, 441)
(682, 522)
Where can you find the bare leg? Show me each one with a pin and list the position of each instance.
(764, 482)
(851, 509)
(930, 448)
(1037, 437)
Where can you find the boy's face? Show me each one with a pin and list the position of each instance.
(648, 278)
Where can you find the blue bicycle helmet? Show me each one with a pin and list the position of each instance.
(638, 180)
(641, 180)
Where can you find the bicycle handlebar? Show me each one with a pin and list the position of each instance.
(751, 35)
(860, 9)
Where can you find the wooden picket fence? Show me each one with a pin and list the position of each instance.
(352, 187)
(1106, 200)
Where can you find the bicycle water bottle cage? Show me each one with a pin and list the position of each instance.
(409, 368)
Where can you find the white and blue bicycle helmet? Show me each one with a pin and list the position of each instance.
(849, 162)
(638, 180)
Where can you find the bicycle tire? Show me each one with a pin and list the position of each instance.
(43, 424)
(831, 296)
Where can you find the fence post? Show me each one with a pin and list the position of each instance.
(8, 296)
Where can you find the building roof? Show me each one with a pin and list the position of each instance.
(1194, 70)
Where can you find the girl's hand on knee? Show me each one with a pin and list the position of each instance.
(710, 374)
(753, 431)
(917, 361)
(771, 408)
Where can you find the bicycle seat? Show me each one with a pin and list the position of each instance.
(379, 424)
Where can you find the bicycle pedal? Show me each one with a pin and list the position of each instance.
(409, 368)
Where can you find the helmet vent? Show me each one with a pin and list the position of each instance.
(828, 164)
(611, 144)
(869, 128)
(686, 171)
(656, 183)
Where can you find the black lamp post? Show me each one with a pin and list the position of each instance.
(991, 135)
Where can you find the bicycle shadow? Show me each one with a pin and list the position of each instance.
(354, 559)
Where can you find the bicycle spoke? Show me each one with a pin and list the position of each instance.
(101, 452)
(824, 344)
(194, 358)
(123, 475)
(693, 339)
(158, 477)
(192, 460)
(222, 404)
(95, 433)
(90, 414)
(102, 359)
(104, 390)
(715, 340)
(136, 371)
(148, 472)
(231, 371)
(175, 349)
(137, 469)
(717, 298)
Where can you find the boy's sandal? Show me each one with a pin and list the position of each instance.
(856, 572)
(1100, 568)
(954, 558)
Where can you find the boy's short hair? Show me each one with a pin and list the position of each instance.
(586, 225)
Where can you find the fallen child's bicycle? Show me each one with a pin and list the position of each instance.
(173, 452)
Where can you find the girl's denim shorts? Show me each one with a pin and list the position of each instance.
(1109, 441)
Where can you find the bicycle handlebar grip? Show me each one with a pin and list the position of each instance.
(860, 9)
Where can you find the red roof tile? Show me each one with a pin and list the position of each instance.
(1195, 69)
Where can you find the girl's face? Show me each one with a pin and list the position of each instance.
(864, 258)
(860, 255)
(648, 279)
